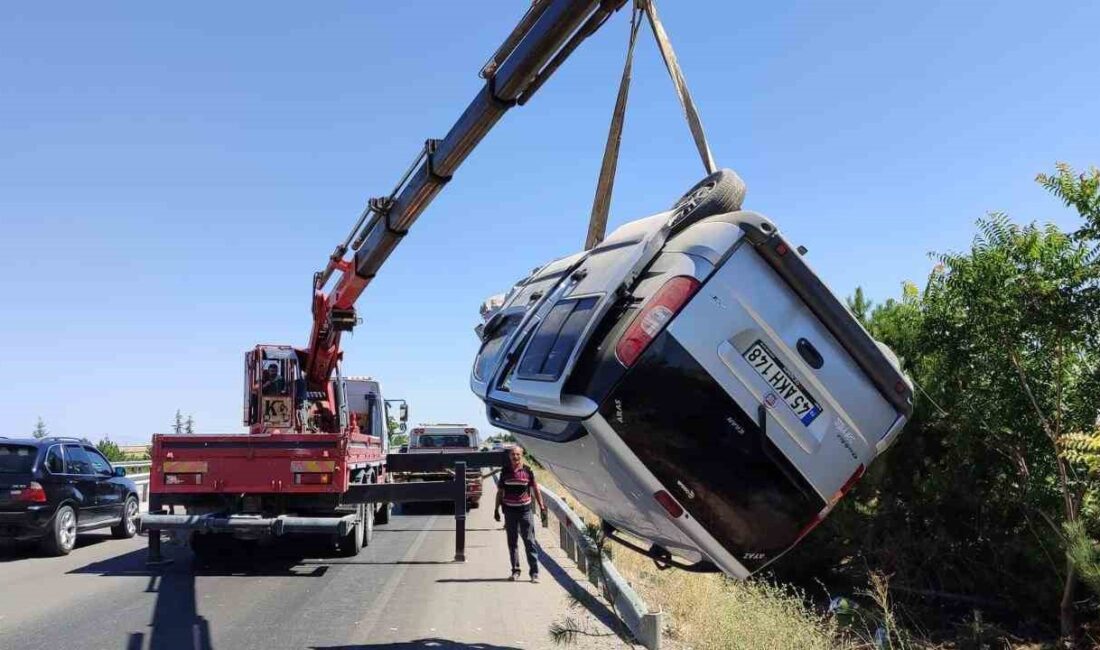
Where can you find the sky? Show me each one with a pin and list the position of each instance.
(171, 175)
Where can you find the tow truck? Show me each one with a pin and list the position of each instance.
(316, 459)
(444, 439)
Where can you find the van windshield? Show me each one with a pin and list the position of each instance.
(17, 459)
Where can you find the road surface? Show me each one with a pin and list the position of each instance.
(403, 592)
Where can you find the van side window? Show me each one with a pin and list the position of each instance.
(55, 463)
(76, 460)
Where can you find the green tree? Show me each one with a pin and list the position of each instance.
(110, 450)
(40, 430)
(189, 425)
(991, 493)
(177, 426)
(859, 305)
(1012, 326)
(1080, 192)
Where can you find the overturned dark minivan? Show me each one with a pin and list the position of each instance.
(693, 382)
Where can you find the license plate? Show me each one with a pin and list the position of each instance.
(784, 385)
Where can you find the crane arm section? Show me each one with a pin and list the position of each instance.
(549, 32)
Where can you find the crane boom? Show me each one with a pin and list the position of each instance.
(546, 35)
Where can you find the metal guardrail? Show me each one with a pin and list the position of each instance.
(130, 464)
(644, 624)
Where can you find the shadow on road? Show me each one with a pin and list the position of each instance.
(13, 551)
(176, 621)
(420, 644)
(582, 596)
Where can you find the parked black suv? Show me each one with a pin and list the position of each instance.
(53, 488)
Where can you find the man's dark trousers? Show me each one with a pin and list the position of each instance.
(519, 522)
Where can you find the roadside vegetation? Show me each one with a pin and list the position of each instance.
(979, 528)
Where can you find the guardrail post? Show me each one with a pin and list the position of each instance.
(649, 632)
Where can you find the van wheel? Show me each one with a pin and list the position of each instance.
(62, 535)
(719, 193)
(127, 528)
(352, 543)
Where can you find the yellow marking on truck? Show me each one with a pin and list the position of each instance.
(302, 466)
(185, 467)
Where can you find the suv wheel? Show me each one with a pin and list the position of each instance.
(127, 528)
(62, 536)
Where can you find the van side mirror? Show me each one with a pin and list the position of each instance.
(120, 472)
(404, 412)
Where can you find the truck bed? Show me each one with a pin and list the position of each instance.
(260, 463)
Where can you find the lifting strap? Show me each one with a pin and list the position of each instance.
(601, 204)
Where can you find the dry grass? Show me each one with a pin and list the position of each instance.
(711, 612)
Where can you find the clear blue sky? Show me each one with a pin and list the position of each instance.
(172, 174)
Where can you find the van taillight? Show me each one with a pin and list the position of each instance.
(655, 315)
(668, 503)
(848, 485)
(33, 493)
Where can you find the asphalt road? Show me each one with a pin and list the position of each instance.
(403, 591)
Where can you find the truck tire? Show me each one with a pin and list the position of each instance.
(719, 193)
(368, 523)
(127, 528)
(382, 517)
(352, 543)
(61, 537)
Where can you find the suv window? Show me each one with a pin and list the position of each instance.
(17, 459)
(55, 462)
(76, 460)
(99, 463)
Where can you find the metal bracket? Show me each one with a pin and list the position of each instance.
(430, 146)
(383, 206)
(491, 88)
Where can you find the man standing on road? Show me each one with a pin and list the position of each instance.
(515, 492)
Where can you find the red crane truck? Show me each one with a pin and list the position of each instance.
(316, 458)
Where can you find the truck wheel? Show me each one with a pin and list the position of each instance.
(127, 528)
(719, 193)
(62, 534)
(368, 523)
(352, 543)
(382, 517)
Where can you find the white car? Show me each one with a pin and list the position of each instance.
(693, 382)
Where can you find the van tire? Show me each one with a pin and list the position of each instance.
(61, 537)
(719, 193)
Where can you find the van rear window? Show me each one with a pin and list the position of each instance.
(17, 459)
(710, 454)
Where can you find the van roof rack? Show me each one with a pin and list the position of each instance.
(63, 438)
